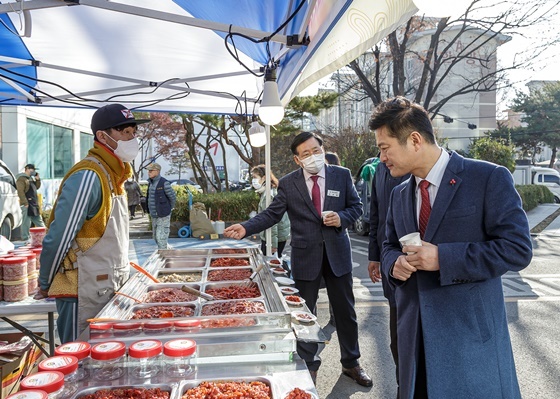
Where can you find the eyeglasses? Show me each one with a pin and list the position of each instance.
(307, 154)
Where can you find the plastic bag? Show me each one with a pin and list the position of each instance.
(200, 224)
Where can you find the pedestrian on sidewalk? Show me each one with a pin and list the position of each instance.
(161, 201)
(133, 194)
(27, 184)
(85, 252)
(453, 338)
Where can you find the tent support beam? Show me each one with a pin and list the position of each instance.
(19, 90)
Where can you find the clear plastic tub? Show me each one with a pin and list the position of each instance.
(108, 360)
(31, 259)
(67, 365)
(1, 290)
(52, 382)
(37, 252)
(102, 330)
(36, 235)
(29, 394)
(15, 291)
(32, 283)
(145, 356)
(186, 325)
(80, 350)
(157, 327)
(127, 329)
(177, 357)
(14, 268)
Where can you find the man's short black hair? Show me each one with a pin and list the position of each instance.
(302, 138)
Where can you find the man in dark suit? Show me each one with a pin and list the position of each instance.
(453, 339)
(381, 186)
(320, 246)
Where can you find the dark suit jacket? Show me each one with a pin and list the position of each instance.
(308, 233)
(481, 232)
(382, 185)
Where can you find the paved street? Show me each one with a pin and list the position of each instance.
(533, 306)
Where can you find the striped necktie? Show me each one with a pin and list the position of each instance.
(425, 207)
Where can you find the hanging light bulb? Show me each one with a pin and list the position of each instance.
(257, 135)
(271, 110)
(442, 9)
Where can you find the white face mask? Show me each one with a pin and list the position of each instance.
(126, 150)
(256, 183)
(314, 163)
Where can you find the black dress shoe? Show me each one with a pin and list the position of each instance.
(359, 375)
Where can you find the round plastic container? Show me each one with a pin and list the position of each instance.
(36, 235)
(15, 291)
(52, 382)
(37, 252)
(32, 283)
(157, 327)
(29, 394)
(108, 360)
(80, 350)
(31, 259)
(14, 268)
(177, 357)
(186, 325)
(67, 365)
(127, 329)
(1, 290)
(146, 358)
(101, 330)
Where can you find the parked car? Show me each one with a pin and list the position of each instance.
(363, 186)
(10, 217)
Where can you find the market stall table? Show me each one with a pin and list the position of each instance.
(31, 306)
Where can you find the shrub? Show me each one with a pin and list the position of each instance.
(534, 194)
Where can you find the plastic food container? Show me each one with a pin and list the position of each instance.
(186, 325)
(101, 330)
(178, 356)
(36, 235)
(32, 283)
(67, 365)
(52, 382)
(37, 252)
(31, 259)
(127, 329)
(15, 291)
(14, 268)
(81, 351)
(1, 290)
(146, 356)
(157, 327)
(108, 360)
(29, 394)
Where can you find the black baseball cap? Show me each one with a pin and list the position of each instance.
(30, 166)
(113, 115)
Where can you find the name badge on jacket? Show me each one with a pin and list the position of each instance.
(333, 193)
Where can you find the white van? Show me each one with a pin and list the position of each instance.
(529, 174)
(10, 217)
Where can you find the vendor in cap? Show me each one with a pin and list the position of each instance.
(85, 252)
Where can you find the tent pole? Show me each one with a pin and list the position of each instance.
(268, 233)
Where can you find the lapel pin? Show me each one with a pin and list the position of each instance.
(452, 182)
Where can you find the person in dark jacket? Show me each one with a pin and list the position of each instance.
(161, 201)
(27, 184)
(133, 194)
(382, 185)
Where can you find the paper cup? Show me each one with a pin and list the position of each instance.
(324, 214)
(411, 239)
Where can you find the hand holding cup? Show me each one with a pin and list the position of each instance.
(411, 239)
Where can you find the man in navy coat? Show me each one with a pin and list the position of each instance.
(453, 338)
(320, 247)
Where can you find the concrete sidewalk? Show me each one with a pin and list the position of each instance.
(540, 213)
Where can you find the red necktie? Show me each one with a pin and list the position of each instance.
(316, 194)
(425, 208)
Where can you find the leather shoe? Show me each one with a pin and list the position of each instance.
(359, 375)
(313, 376)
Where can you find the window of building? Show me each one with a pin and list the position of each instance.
(49, 147)
(86, 142)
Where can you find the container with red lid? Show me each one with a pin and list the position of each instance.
(108, 360)
(37, 252)
(144, 358)
(52, 382)
(81, 351)
(67, 365)
(1, 290)
(178, 355)
(102, 330)
(29, 394)
(32, 283)
(186, 325)
(29, 256)
(14, 268)
(127, 329)
(15, 291)
(157, 327)
(36, 235)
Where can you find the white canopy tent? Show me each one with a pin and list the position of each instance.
(191, 56)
